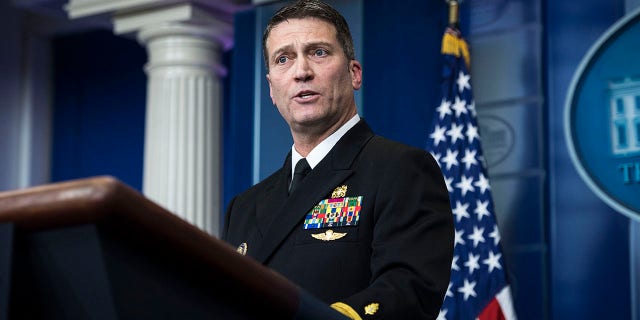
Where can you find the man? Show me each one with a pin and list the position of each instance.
(369, 230)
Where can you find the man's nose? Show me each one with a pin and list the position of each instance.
(303, 71)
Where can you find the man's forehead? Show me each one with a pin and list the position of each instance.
(309, 27)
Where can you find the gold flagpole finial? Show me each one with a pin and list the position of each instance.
(454, 12)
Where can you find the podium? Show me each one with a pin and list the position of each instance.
(97, 249)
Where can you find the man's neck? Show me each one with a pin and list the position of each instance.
(318, 153)
(304, 142)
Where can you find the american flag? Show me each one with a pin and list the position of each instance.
(478, 288)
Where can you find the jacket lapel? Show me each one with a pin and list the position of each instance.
(273, 199)
(287, 213)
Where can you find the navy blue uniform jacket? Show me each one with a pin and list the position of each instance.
(399, 254)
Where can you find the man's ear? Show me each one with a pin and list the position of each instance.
(355, 70)
(270, 89)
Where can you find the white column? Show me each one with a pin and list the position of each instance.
(184, 41)
(183, 125)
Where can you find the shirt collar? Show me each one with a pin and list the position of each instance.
(321, 150)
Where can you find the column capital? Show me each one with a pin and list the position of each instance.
(85, 8)
(131, 16)
(184, 18)
(183, 45)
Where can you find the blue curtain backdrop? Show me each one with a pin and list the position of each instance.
(98, 107)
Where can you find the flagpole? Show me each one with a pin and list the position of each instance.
(454, 6)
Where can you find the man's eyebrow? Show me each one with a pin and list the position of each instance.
(280, 50)
(318, 44)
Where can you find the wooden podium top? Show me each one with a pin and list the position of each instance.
(106, 200)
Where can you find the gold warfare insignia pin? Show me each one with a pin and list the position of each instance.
(371, 308)
(328, 235)
(242, 249)
(339, 192)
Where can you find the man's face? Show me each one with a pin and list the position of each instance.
(310, 79)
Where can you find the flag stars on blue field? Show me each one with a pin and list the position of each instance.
(482, 184)
(460, 107)
(454, 266)
(495, 235)
(482, 209)
(465, 185)
(463, 81)
(444, 108)
(458, 240)
(472, 262)
(449, 181)
(471, 106)
(460, 211)
(476, 236)
(438, 135)
(469, 158)
(493, 261)
(456, 132)
(451, 158)
(472, 133)
(443, 314)
(449, 293)
(468, 289)
(477, 268)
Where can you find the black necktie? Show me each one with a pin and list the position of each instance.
(301, 171)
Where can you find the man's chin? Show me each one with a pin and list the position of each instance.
(310, 125)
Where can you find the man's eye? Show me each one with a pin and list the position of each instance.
(320, 52)
(281, 59)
